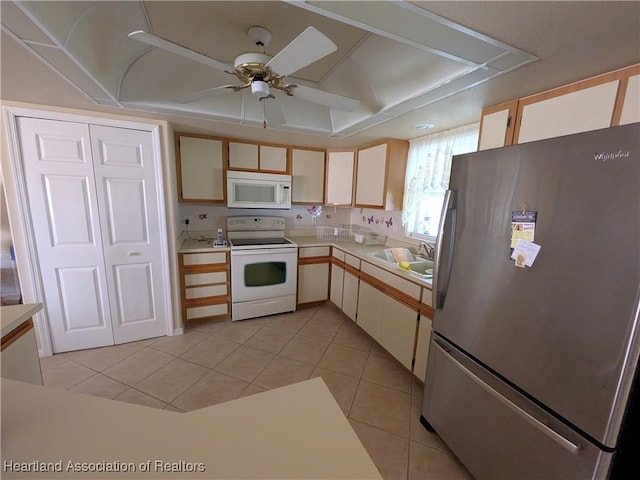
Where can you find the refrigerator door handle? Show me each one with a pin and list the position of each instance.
(448, 209)
(549, 432)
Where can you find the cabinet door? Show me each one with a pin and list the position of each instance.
(313, 280)
(273, 159)
(370, 176)
(422, 347)
(567, 112)
(339, 188)
(243, 156)
(630, 110)
(200, 169)
(307, 169)
(130, 212)
(350, 295)
(370, 305)
(61, 188)
(337, 283)
(398, 329)
(497, 125)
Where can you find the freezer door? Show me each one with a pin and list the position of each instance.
(565, 329)
(497, 433)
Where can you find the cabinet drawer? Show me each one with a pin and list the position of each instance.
(204, 278)
(207, 311)
(306, 252)
(427, 297)
(353, 261)
(339, 254)
(206, 291)
(189, 259)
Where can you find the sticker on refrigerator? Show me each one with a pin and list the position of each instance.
(525, 253)
(523, 227)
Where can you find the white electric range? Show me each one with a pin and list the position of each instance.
(264, 267)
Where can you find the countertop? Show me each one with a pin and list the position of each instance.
(193, 245)
(12, 316)
(297, 431)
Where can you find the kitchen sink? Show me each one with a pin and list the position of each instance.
(420, 267)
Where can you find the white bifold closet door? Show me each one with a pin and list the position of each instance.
(93, 200)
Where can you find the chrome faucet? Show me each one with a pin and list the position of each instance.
(428, 249)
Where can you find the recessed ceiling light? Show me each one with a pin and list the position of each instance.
(424, 126)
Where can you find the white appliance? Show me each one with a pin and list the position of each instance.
(258, 190)
(264, 267)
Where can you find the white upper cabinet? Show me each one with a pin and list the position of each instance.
(380, 171)
(200, 168)
(307, 170)
(246, 155)
(273, 159)
(631, 106)
(243, 156)
(339, 188)
(496, 128)
(573, 112)
(599, 102)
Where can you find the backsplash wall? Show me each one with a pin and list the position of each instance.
(379, 221)
(208, 218)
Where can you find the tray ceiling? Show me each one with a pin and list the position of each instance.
(393, 57)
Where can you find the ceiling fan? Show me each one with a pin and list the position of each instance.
(262, 72)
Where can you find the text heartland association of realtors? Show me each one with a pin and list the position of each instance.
(70, 466)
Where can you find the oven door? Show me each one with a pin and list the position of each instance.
(258, 274)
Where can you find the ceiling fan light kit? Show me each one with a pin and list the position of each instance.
(262, 71)
(260, 89)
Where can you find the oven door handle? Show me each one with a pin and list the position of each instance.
(263, 251)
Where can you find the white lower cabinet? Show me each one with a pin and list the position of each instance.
(313, 280)
(337, 284)
(204, 285)
(313, 274)
(350, 295)
(390, 322)
(370, 310)
(337, 276)
(345, 282)
(398, 330)
(422, 347)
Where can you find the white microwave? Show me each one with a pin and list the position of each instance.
(258, 190)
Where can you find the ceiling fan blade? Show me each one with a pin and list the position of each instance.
(306, 48)
(172, 47)
(202, 94)
(325, 98)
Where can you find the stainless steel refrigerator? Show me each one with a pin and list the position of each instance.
(532, 364)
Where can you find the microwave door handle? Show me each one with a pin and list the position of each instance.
(278, 195)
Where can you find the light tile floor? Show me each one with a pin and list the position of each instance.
(218, 361)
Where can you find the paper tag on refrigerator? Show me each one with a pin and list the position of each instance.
(525, 253)
(523, 226)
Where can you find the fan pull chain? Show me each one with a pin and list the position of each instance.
(264, 114)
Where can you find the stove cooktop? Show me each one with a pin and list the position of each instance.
(244, 242)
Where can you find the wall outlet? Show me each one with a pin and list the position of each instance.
(187, 220)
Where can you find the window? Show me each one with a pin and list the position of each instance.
(427, 178)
